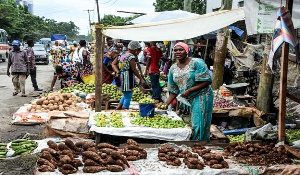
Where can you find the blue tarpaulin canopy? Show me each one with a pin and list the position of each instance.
(55, 37)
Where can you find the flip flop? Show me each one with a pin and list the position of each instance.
(23, 95)
(15, 93)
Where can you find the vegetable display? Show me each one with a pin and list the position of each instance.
(220, 102)
(3, 150)
(113, 120)
(133, 151)
(236, 138)
(87, 88)
(23, 146)
(158, 121)
(293, 135)
(257, 154)
(55, 101)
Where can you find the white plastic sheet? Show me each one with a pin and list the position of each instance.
(178, 29)
(174, 134)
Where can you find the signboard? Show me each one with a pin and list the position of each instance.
(265, 18)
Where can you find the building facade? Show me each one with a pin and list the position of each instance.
(28, 3)
(215, 5)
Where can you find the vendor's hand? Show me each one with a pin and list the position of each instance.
(185, 94)
(8, 73)
(143, 82)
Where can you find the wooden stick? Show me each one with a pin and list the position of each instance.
(292, 151)
(295, 99)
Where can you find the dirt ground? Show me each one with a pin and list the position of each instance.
(8, 106)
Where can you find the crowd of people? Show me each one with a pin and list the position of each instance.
(125, 64)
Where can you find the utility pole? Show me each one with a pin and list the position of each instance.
(89, 18)
(187, 6)
(220, 50)
(99, 61)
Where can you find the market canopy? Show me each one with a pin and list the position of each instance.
(162, 16)
(178, 29)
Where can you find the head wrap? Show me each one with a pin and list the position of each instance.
(183, 45)
(133, 45)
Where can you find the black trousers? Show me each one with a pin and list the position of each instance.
(33, 78)
(156, 89)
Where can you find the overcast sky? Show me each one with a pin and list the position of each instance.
(73, 10)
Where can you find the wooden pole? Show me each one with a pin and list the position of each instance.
(283, 83)
(264, 95)
(205, 53)
(99, 58)
(220, 52)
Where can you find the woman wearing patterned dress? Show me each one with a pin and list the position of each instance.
(190, 78)
(125, 69)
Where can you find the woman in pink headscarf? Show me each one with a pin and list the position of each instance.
(189, 77)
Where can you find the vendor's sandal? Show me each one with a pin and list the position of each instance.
(15, 93)
(23, 95)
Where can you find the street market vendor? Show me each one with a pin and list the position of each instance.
(67, 73)
(189, 77)
(125, 69)
(57, 54)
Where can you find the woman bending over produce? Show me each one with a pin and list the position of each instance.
(190, 78)
(125, 69)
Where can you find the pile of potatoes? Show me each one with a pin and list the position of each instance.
(258, 154)
(55, 102)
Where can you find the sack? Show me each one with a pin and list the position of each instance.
(117, 81)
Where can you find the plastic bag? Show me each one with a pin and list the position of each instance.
(89, 79)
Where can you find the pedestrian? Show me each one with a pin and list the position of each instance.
(83, 65)
(67, 73)
(110, 53)
(125, 69)
(154, 55)
(19, 63)
(73, 48)
(31, 57)
(189, 77)
(57, 54)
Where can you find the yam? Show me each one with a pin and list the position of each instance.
(45, 168)
(132, 142)
(93, 156)
(43, 161)
(68, 167)
(106, 145)
(62, 147)
(106, 150)
(93, 169)
(217, 166)
(134, 147)
(133, 158)
(71, 145)
(90, 162)
(132, 153)
(65, 159)
(53, 152)
(114, 168)
(77, 163)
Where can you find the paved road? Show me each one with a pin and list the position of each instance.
(10, 104)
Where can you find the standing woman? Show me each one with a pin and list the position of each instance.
(125, 69)
(190, 78)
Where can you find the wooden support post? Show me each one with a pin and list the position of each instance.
(205, 53)
(283, 83)
(99, 61)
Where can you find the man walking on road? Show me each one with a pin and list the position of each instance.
(19, 63)
(32, 65)
(154, 54)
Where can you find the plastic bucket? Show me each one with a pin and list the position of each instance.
(147, 110)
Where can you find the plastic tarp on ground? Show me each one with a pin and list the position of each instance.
(130, 130)
(178, 29)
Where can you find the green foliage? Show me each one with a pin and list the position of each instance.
(198, 6)
(112, 20)
(22, 25)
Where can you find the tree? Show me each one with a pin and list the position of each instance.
(198, 6)
(112, 20)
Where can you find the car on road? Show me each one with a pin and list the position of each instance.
(40, 54)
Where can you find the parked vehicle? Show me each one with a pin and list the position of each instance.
(4, 47)
(40, 54)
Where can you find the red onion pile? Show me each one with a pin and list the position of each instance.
(223, 103)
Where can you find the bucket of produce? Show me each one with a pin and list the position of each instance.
(147, 107)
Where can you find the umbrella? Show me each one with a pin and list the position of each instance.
(162, 16)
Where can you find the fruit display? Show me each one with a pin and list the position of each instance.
(23, 146)
(158, 121)
(220, 102)
(133, 151)
(293, 135)
(112, 90)
(236, 138)
(3, 150)
(160, 105)
(55, 102)
(87, 88)
(257, 154)
(138, 94)
(112, 120)
(146, 101)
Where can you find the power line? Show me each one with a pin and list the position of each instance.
(89, 17)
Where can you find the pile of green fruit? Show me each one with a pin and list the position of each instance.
(112, 90)
(3, 150)
(293, 135)
(114, 120)
(146, 101)
(158, 121)
(138, 94)
(87, 88)
(23, 146)
(236, 138)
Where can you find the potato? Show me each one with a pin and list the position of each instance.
(32, 110)
(46, 102)
(51, 102)
(69, 102)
